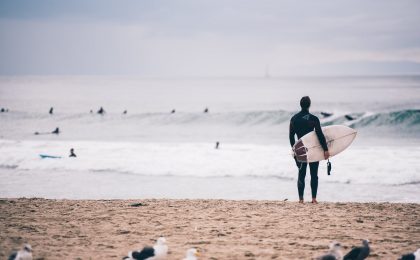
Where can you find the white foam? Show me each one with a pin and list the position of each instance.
(380, 164)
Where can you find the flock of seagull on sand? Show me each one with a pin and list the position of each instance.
(358, 253)
(160, 252)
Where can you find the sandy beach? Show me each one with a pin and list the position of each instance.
(221, 229)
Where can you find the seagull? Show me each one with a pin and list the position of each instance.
(359, 253)
(192, 254)
(334, 253)
(24, 254)
(411, 256)
(158, 252)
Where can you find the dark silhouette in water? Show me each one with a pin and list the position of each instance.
(349, 117)
(325, 114)
(56, 131)
(4, 110)
(72, 154)
(125, 112)
(101, 111)
(91, 111)
(217, 145)
(51, 111)
(173, 111)
(206, 110)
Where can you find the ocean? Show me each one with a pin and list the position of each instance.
(150, 152)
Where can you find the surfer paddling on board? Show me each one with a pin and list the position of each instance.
(301, 124)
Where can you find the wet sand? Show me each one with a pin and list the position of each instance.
(221, 229)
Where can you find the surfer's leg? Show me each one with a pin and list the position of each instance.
(314, 178)
(301, 179)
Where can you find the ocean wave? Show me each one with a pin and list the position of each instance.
(405, 119)
(402, 119)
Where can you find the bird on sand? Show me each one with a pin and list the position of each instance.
(359, 253)
(192, 254)
(158, 252)
(24, 254)
(333, 254)
(411, 256)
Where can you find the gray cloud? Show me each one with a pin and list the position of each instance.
(207, 38)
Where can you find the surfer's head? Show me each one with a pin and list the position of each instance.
(305, 102)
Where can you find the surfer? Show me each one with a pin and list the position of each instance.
(349, 117)
(51, 110)
(101, 111)
(301, 124)
(173, 111)
(72, 154)
(206, 110)
(56, 131)
(325, 114)
(217, 145)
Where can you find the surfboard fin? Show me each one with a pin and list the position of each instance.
(329, 167)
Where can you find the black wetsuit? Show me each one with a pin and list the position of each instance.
(301, 124)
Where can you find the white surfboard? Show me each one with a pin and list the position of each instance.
(338, 137)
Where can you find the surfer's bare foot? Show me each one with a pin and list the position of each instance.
(301, 201)
(314, 201)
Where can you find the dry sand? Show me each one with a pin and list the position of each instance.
(107, 229)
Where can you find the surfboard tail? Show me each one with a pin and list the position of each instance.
(300, 151)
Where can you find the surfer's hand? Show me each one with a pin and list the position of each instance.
(326, 155)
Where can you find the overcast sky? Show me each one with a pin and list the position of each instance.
(209, 38)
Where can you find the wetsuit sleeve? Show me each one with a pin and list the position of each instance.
(320, 135)
(291, 134)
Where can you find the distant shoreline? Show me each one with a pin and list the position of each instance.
(225, 77)
(221, 229)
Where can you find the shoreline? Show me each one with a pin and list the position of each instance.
(221, 229)
(111, 185)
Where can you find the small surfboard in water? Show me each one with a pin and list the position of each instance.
(43, 156)
(338, 137)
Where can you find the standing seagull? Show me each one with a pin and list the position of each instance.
(359, 253)
(334, 253)
(412, 256)
(24, 254)
(192, 254)
(158, 252)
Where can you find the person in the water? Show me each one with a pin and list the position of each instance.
(301, 124)
(101, 111)
(56, 131)
(72, 154)
(206, 110)
(51, 111)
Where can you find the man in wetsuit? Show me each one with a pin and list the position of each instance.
(301, 124)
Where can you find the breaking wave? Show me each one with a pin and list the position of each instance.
(408, 119)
